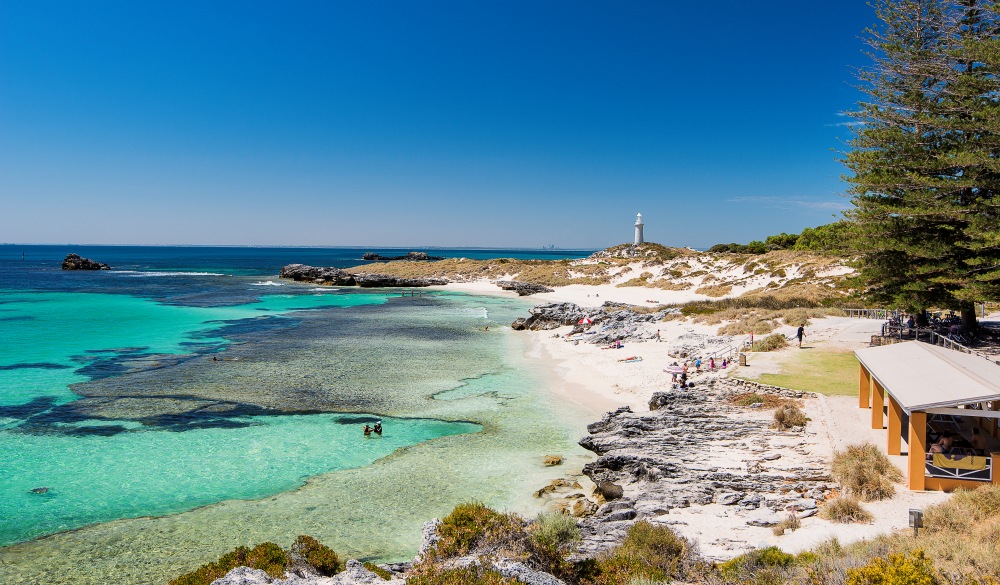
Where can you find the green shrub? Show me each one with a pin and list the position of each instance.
(472, 525)
(845, 510)
(317, 555)
(865, 472)
(266, 556)
(378, 570)
(788, 416)
(770, 343)
(555, 531)
(468, 576)
(898, 569)
(648, 551)
(746, 564)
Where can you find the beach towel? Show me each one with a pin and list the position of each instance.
(959, 461)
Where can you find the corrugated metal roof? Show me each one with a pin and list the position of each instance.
(920, 375)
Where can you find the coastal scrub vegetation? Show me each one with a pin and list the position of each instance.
(832, 238)
(267, 556)
(845, 510)
(788, 416)
(769, 343)
(957, 546)
(865, 472)
(306, 552)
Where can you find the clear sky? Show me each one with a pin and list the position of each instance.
(423, 123)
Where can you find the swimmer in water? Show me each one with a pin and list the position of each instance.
(40, 490)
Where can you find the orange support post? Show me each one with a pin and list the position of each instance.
(917, 455)
(878, 404)
(895, 427)
(864, 388)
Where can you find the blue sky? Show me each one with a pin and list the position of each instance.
(426, 123)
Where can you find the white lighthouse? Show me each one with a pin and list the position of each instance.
(638, 229)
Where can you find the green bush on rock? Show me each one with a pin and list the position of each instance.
(268, 557)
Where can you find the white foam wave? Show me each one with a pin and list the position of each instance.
(268, 283)
(144, 273)
(325, 289)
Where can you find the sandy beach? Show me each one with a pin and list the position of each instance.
(596, 380)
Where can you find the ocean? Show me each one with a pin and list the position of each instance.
(157, 415)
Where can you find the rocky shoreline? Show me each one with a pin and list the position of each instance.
(330, 276)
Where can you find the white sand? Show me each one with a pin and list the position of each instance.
(593, 379)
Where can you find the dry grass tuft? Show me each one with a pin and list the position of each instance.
(715, 290)
(845, 510)
(770, 343)
(865, 472)
(767, 401)
(792, 522)
(788, 417)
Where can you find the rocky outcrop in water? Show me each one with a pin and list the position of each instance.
(695, 448)
(331, 276)
(409, 257)
(76, 262)
(338, 277)
(523, 289)
(375, 280)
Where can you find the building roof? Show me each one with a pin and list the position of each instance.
(920, 375)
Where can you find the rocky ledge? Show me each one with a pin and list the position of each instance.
(408, 257)
(76, 262)
(337, 277)
(693, 447)
(609, 322)
(523, 289)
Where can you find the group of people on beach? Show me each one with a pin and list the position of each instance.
(377, 429)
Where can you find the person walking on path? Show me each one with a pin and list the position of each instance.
(800, 334)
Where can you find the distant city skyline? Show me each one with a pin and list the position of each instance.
(444, 124)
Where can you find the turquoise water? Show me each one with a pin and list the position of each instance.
(159, 458)
(96, 478)
(48, 336)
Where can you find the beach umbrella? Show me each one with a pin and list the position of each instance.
(585, 321)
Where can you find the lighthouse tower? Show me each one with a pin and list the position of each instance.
(638, 229)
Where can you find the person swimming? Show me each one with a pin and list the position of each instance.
(40, 490)
(368, 431)
(378, 428)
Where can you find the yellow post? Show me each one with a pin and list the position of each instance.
(895, 427)
(917, 455)
(864, 388)
(878, 403)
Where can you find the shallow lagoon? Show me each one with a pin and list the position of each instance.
(425, 357)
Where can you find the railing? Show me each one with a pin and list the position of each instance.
(885, 314)
(947, 472)
(729, 351)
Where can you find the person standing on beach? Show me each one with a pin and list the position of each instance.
(800, 334)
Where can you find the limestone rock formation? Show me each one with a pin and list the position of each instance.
(693, 448)
(333, 276)
(375, 280)
(338, 277)
(409, 256)
(523, 289)
(75, 262)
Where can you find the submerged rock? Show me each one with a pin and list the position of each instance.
(76, 262)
